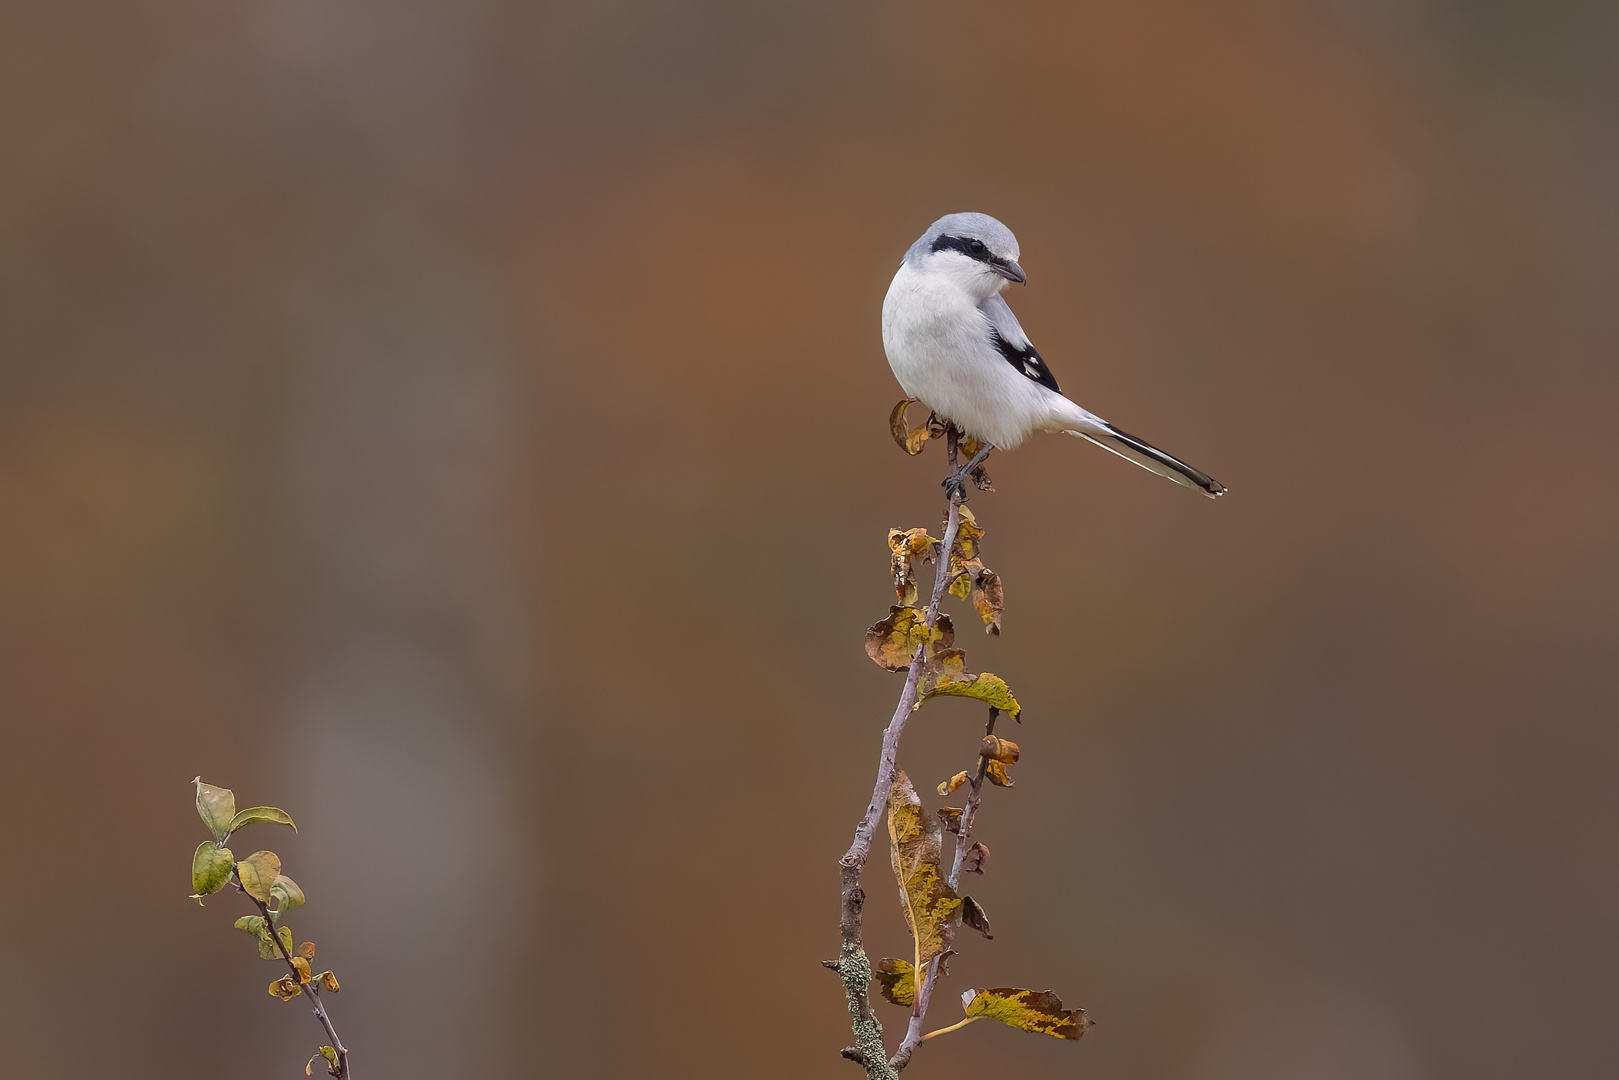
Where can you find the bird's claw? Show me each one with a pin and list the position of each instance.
(955, 487)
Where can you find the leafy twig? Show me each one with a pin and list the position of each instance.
(340, 1068)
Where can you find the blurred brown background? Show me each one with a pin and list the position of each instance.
(462, 422)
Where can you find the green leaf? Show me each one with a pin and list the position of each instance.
(252, 924)
(216, 806)
(1040, 1011)
(273, 815)
(210, 869)
(258, 873)
(287, 895)
(945, 674)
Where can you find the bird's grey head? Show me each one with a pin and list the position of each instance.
(975, 249)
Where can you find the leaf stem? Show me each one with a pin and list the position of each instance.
(953, 1027)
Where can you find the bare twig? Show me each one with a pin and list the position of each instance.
(340, 1068)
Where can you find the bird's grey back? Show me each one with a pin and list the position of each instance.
(969, 227)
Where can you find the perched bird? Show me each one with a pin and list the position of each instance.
(955, 345)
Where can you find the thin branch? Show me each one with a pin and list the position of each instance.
(852, 964)
(309, 990)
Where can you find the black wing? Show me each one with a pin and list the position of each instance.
(1025, 360)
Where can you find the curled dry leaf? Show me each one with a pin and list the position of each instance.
(996, 749)
(254, 924)
(909, 441)
(328, 980)
(967, 537)
(973, 862)
(972, 914)
(930, 905)
(951, 816)
(988, 599)
(210, 869)
(1040, 1011)
(307, 950)
(258, 873)
(302, 966)
(995, 772)
(892, 642)
(945, 674)
(949, 786)
(216, 806)
(897, 980)
(286, 988)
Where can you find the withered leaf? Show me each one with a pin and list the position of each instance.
(216, 806)
(905, 548)
(303, 968)
(945, 674)
(909, 441)
(995, 772)
(988, 599)
(897, 979)
(973, 862)
(1039, 1011)
(972, 914)
(307, 950)
(968, 534)
(286, 988)
(997, 749)
(951, 816)
(210, 869)
(892, 642)
(258, 873)
(328, 980)
(949, 786)
(930, 905)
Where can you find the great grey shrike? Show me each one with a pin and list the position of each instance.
(955, 345)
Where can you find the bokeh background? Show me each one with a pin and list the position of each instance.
(462, 422)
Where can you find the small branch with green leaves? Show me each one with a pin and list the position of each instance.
(921, 643)
(259, 878)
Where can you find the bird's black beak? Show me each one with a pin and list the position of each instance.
(1009, 270)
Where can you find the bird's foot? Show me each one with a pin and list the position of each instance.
(955, 486)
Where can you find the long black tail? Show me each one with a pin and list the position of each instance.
(1148, 456)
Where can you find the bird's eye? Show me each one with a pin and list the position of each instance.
(977, 248)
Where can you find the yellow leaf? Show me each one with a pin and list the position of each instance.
(1040, 1011)
(961, 583)
(892, 643)
(285, 988)
(258, 873)
(945, 674)
(929, 903)
(988, 599)
(328, 980)
(995, 773)
(274, 815)
(897, 979)
(303, 968)
(998, 749)
(949, 786)
(967, 537)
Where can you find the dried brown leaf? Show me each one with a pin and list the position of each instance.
(951, 817)
(892, 642)
(974, 861)
(909, 441)
(949, 786)
(995, 772)
(997, 749)
(930, 905)
(972, 914)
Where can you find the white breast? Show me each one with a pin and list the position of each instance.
(938, 344)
